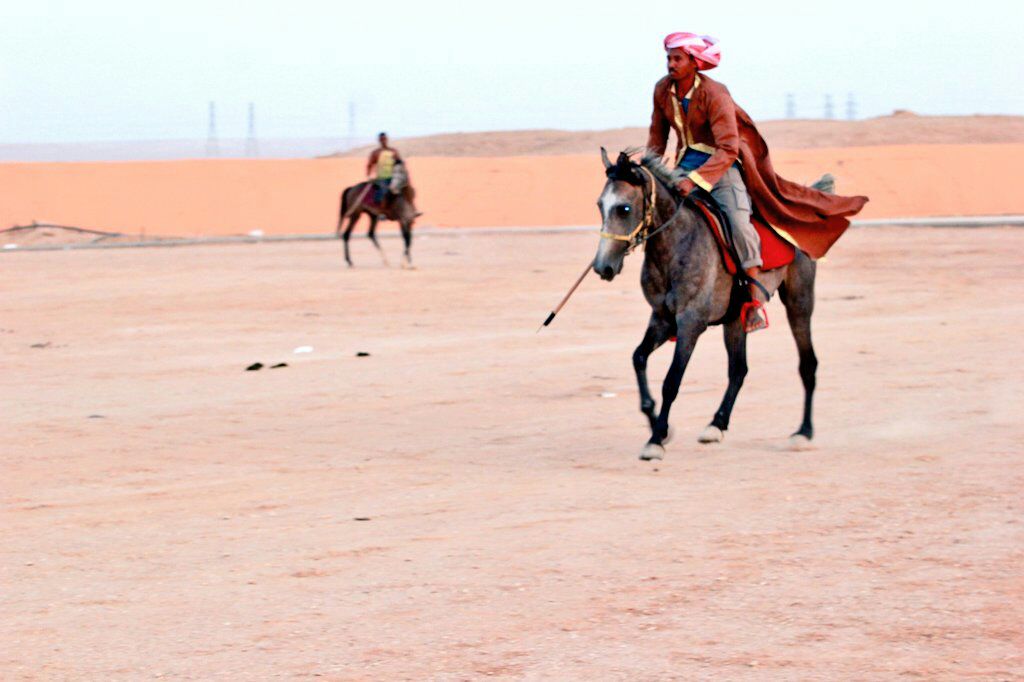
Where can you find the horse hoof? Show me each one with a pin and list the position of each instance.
(711, 434)
(799, 442)
(652, 451)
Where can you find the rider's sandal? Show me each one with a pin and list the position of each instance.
(757, 324)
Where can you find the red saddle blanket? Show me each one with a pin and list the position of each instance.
(370, 197)
(775, 251)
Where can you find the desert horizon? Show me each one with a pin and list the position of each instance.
(530, 178)
(899, 127)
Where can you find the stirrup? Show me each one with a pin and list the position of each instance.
(745, 310)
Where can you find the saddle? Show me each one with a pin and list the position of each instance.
(377, 196)
(776, 252)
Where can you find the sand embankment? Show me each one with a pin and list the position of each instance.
(232, 196)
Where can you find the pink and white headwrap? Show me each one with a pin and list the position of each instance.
(704, 49)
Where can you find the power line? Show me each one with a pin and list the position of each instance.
(251, 146)
(212, 144)
(829, 109)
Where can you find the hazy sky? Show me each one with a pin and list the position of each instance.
(107, 69)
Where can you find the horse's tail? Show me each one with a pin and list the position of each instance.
(826, 183)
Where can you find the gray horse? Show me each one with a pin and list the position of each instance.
(688, 288)
(399, 205)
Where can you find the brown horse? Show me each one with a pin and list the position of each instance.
(398, 205)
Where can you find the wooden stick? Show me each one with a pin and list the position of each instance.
(358, 202)
(565, 300)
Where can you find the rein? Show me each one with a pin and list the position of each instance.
(641, 234)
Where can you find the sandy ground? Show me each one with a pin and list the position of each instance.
(167, 514)
(233, 196)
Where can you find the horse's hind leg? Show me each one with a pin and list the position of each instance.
(373, 238)
(658, 332)
(797, 294)
(736, 348)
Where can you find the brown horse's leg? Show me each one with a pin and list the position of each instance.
(658, 331)
(373, 238)
(689, 326)
(736, 348)
(407, 239)
(797, 294)
(348, 233)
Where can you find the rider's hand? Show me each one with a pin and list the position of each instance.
(685, 186)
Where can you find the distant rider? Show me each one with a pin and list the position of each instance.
(380, 168)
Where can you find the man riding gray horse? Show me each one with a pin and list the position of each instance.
(720, 150)
(686, 278)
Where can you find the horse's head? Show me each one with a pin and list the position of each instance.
(399, 177)
(624, 205)
(405, 207)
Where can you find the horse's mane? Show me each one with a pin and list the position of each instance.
(625, 169)
(669, 176)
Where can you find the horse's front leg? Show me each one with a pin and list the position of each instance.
(407, 240)
(658, 332)
(689, 326)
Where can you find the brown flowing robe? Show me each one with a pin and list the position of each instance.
(716, 125)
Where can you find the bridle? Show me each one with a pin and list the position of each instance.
(640, 233)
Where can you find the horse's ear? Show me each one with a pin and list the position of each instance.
(623, 159)
(604, 158)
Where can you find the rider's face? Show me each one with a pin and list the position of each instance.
(680, 64)
(383, 140)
